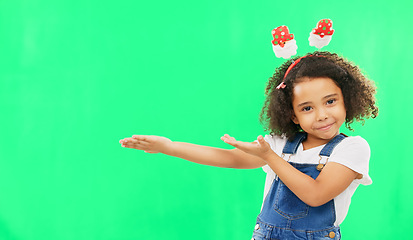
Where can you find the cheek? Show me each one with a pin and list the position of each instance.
(342, 110)
(305, 120)
(340, 113)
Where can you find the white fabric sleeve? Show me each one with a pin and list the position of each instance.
(354, 153)
(269, 139)
(277, 144)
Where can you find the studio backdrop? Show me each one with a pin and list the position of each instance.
(76, 76)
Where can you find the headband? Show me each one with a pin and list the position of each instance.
(284, 44)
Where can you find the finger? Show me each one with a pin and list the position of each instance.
(137, 141)
(143, 143)
(225, 136)
(127, 146)
(136, 144)
(232, 142)
(124, 140)
(244, 146)
(128, 142)
(229, 137)
(140, 137)
(262, 143)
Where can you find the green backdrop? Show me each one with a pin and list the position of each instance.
(78, 75)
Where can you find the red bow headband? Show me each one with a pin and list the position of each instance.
(282, 84)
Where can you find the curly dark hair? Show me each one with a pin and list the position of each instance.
(358, 91)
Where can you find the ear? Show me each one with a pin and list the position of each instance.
(295, 119)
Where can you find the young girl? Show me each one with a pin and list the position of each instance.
(312, 169)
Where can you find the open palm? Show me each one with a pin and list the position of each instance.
(259, 148)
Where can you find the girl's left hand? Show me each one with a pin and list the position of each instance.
(259, 148)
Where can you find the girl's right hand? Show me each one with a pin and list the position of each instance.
(149, 144)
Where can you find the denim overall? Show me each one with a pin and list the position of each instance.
(285, 216)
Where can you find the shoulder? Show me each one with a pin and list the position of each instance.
(354, 153)
(354, 144)
(356, 140)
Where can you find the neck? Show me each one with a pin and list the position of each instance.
(312, 142)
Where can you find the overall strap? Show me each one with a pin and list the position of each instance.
(329, 147)
(292, 146)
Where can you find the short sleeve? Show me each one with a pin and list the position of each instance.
(277, 144)
(354, 153)
(269, 139)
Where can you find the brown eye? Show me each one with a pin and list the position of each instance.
(306, 109)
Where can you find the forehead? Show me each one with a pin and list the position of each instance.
(308, 89)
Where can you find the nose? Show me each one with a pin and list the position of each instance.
(322, 114)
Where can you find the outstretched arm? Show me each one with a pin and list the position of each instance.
(332, 181)
(205, 155)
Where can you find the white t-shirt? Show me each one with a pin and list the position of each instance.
(352, 152)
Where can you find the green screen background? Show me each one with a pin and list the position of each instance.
(76, 76)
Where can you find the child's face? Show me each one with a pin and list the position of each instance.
(318, 108)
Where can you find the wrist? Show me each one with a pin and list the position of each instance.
(268, 156)
(167, 147)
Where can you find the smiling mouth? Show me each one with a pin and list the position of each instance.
(325, 128)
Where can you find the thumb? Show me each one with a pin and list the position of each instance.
(261, 141)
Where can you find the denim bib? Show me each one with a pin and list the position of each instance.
(285, 216)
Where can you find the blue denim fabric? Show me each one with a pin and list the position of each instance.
(265, 231)
(292, 146)
(328, 149)
(285, 216)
